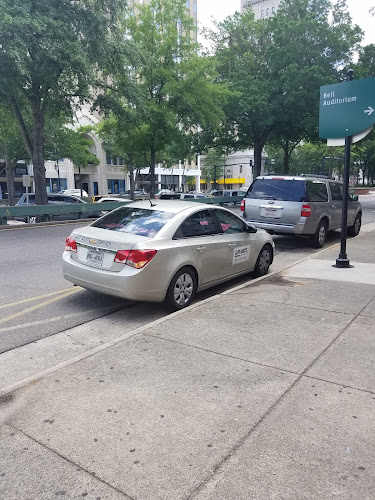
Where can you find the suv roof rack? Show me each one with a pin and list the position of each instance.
(319, 176)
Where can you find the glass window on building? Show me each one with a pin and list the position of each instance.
(108, 158)
(273, 10)
(188, 4)
(267, 12)
(262, 13)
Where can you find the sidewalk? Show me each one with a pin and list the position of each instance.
(266, 391)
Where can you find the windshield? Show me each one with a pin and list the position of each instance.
(277, 189)
(139, 221)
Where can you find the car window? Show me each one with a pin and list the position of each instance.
(229, 223)
(31, 200)
(316, 191)
(277, 189)
(201, 223)
(139, 221)
(336, 191)
(189, 196)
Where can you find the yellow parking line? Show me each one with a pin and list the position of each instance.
(56, 318)
(37, 298)
(37, 226)
(38, 306)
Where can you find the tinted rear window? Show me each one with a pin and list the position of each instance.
(139, 221)
(316, 191)
(277, 189)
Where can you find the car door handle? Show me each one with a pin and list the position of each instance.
(231, 245)
(201, 249)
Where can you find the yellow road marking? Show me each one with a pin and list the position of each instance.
(24, 301)
(38, 306)
(56, 318)
(36, 226)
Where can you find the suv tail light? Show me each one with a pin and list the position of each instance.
(70, 244)
(135, 258)
(306, 210)
(242, 205)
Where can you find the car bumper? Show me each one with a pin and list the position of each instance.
(299, 229)
(134, 284)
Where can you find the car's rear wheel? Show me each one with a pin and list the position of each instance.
(356, 227)
(264, 261)
(182, 289)
(32, 219)
(320, 236)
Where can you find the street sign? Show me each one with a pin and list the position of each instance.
(346, 108)
(26, 181)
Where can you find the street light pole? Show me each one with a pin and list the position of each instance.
(343, 260)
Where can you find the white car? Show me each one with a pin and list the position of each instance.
(164, 250)
(76, 192)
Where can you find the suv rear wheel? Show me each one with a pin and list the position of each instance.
(320, 236)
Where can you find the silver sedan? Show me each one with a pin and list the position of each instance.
(164, 250)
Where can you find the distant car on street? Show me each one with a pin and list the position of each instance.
(77, 192)
(54, 199)
(302, 205)
(165, 250)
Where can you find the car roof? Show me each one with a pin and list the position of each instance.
(297, 177)
(172, 206)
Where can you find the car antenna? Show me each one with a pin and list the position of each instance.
(152, 204)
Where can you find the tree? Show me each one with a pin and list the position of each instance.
(50, 56)
(173, 89)
(277, 81)
(12, 148)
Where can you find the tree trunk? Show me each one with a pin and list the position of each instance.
(152, 169)
(38, 152)
(257, 159)
(9, 169)
(131, 176)
(286, 157)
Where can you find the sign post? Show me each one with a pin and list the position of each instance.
(346, 111)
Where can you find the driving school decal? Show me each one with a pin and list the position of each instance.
(241, 254)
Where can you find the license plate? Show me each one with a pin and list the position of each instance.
(94, 256)
(270, 212)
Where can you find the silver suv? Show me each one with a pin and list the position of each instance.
(299, 205)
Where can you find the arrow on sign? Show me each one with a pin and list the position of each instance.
(369, 111)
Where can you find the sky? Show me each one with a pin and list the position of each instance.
(220, 9)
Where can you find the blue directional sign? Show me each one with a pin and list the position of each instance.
(346, 108)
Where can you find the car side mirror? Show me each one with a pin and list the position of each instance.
(250, 228)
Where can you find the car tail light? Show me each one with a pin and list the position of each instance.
(121, 256)
(306, 211)
(242, 205)
(70, 244)
(135, 258)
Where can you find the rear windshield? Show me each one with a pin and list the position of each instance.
(139, 221)
(277, 189)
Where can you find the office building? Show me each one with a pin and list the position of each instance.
(261, 8)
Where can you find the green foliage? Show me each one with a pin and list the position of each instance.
(50, 56)
(166, 91)
(365, 66)
(275, 67)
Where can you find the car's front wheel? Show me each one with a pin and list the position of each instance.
(320, 236)
(182, 289)
(264, 261)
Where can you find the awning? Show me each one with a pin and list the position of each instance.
(230, 180)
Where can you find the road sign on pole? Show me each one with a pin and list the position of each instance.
(346, 108)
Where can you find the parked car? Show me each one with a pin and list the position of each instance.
(77, 192)
(112, 199)
(165, 251)
(299, 205)
(55, 199)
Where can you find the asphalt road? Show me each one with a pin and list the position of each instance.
(36, 301)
